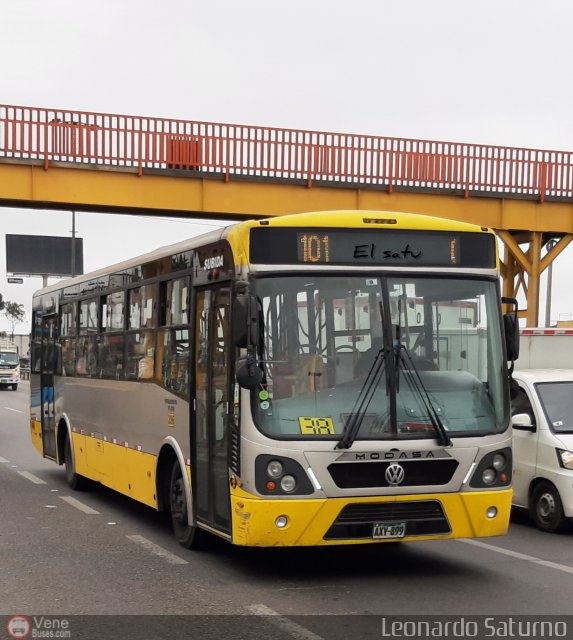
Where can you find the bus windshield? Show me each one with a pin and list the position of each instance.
(327, 359)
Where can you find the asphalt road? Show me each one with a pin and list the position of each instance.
(97, 553)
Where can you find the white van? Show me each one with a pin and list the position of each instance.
(542, 419)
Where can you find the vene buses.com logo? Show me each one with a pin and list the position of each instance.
(38, 627)
(18, 627)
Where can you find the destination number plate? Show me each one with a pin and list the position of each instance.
(389, 530)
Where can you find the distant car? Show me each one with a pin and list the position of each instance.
(542, 420)
(9, 365)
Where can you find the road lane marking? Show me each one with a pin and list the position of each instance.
(520, 556)
(292, 628)
(31, 477)
(79, 505)
(157, 550)
(3, 460)
(15, 410)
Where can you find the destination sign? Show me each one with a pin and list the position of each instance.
(15, 280)
(374, 247)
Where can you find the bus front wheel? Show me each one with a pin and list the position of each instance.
(188, 536)
(74, 480)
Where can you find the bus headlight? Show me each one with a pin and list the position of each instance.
(275, 469)
(493, 471)
(279, 475)
(288, 483)
(488, 476)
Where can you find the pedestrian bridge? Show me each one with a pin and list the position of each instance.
(83, 161)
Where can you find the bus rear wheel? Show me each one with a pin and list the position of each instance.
(188, 536)
(74, 480)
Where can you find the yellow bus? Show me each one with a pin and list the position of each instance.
(314, 379)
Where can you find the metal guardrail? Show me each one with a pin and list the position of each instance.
(24, 374)
(230, 150)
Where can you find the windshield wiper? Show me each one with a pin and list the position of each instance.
(406, 360)
(354, 422)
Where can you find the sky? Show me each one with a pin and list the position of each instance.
(488, 72)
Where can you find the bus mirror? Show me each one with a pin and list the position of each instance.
(245, 321)
(511, 330)
(249, 375)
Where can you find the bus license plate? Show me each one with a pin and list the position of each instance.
(389, 530)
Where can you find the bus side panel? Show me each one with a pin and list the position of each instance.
(125, 424)
(116, 458)
(36, 413)
(80, 459)
(95, 459)
(125, 470)
(142, 471)
(36, 434)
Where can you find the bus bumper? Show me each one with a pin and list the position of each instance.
(472, 514)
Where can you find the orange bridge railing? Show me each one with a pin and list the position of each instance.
(234, 151)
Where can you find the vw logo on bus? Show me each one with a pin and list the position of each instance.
(394, 474)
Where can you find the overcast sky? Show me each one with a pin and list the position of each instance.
(495, 72)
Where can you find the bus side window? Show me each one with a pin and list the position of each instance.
(134, 318)
(142, 307)
(36, 347)
(145, 365)
(111, 356)
(174, 347)
(140, 355)
(68, 332)
(173, 342)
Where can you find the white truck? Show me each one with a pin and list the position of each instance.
(9, 364)
(542, 420)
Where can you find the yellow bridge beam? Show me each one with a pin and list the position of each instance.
(87, 188)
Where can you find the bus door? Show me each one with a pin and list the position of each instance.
(48, 369)
(210, 464)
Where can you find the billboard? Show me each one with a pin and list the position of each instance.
(43, 255)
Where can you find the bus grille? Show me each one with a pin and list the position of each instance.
(422, 517)
(355, 475)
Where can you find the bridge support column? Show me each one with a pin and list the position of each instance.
(522, 269)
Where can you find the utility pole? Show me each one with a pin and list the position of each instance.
(73, 269)
(549, 246)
